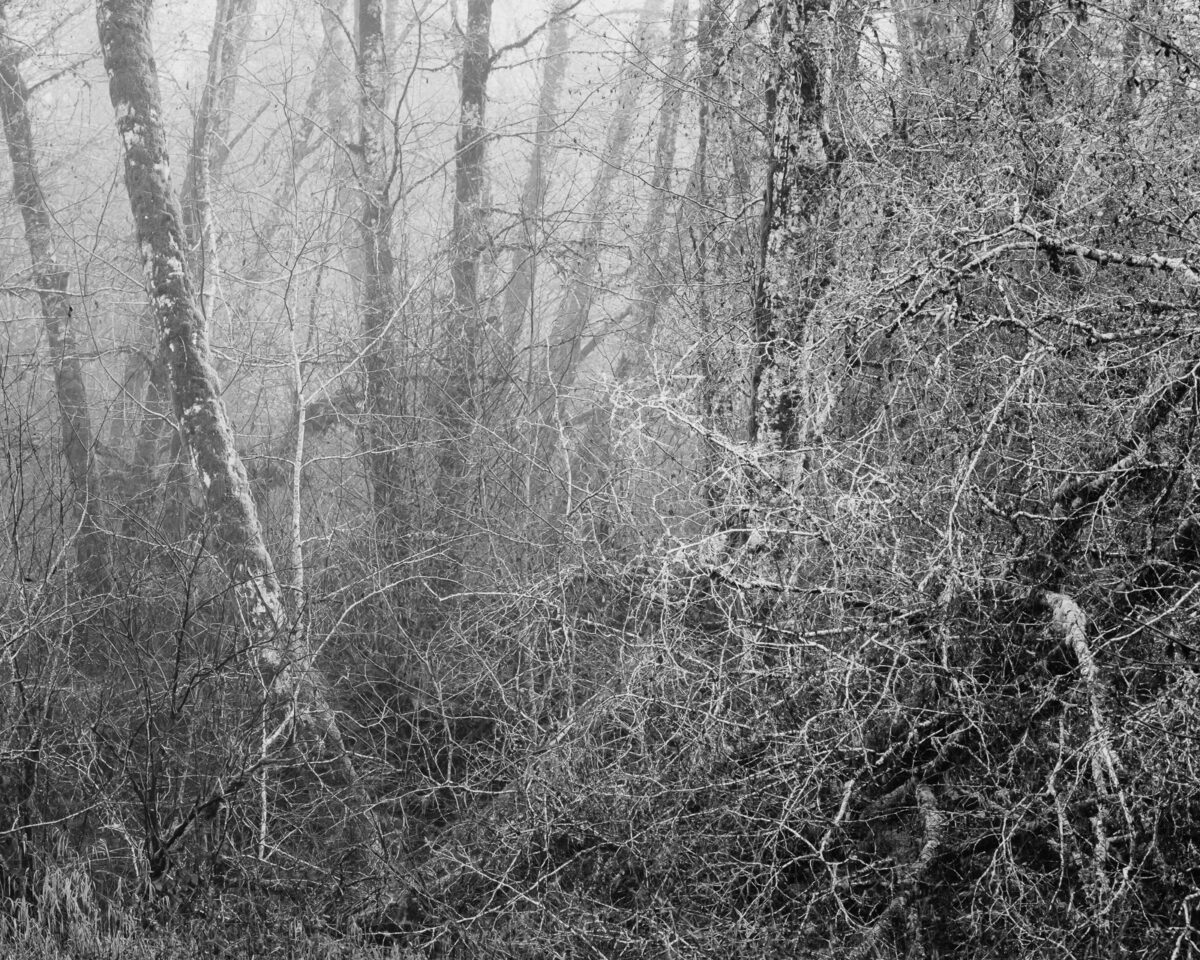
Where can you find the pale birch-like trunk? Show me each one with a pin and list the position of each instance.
(237, 538)
(210, 143)
(51, 280)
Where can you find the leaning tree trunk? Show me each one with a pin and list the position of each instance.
(559, 366)
(91, 543)
(566, 337)
(210, 138)
(196, 395)
(518, 295)
(210, 149)
(654, 275)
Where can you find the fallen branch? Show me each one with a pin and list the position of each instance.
(1152, 261)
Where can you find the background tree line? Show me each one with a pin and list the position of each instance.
(707, 479)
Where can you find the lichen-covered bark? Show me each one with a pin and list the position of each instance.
(133, 87)
(204, 426)
(797, 170)
(206, 159)
(51, 280)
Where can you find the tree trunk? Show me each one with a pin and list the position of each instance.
(208, 154)
(1026, 29)
(797, 169)
(460, 393)
(210, 145)
(384, 399)
(328, 115)
(571, 324)
(654, 276)
(204, 427)
(51, 279)
(518, 296)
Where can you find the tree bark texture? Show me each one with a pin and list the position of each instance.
(209, 151)
(204, 426)
(384, 399)
(459, 402)
(797, 171)
(51, 280)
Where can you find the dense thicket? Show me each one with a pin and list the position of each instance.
(708, 481)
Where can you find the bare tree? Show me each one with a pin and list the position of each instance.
(570, 325)
(52, 280)
(518, 295)
(210, 139)
(376, 169)
(463, 335)
(145, 381)
(237, 538)
(656, 269)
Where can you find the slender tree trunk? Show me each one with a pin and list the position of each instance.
(384, 407)
(328, 108)
(558, 369)
(797, 169)
(124, 27)
(566, 337)
(1132, 90)
(210, 146)
(51, 280)
(709, 30)
(461, 391)
(654, 279)
(654, 276)
(518, 296)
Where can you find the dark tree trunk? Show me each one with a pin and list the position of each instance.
(1026, 25)
(797, 169)
(384, 408)
(461, 390)
(51, 279)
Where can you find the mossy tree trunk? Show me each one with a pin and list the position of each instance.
(237, 537)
